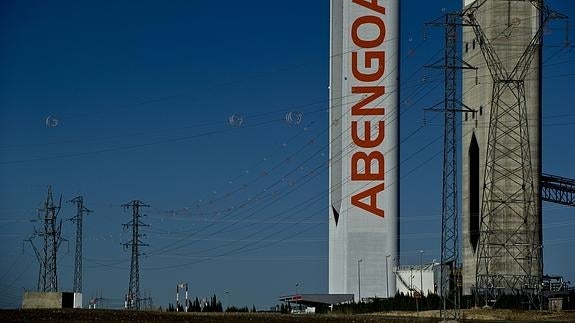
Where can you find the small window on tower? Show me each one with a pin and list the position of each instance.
(480, 110)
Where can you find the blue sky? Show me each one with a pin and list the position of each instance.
(143, 93)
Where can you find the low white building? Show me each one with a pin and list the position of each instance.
(415, 278)
(51, 300)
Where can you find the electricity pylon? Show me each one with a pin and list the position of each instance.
(452, 63)
(80, 210)
(509, 250)
(51, 234)
(133, 296)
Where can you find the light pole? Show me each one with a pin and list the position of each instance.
(359, 280)
(296, 296)
(411, 281)
(387, 275)
(420, 272)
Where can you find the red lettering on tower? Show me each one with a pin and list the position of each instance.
(368, 70)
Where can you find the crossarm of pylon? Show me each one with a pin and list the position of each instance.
(492, 59)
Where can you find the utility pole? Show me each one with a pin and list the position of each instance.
(359, 280)
(80, 210)
(133, 296)
(421, 272)
(51, 234)
(387, 275)
(452, 63)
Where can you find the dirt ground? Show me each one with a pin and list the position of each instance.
(71, 315)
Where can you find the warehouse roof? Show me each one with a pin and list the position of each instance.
(317, 299)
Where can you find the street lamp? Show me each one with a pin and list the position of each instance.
(420, 272)
(359, 280)
(296, 286)
(387, 274)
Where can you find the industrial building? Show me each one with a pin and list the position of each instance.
(501, 147)
(364, 132)
(502, 180)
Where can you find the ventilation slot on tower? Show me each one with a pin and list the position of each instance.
(474, 219)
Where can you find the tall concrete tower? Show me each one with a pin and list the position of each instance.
(501, 146)
(364, 151)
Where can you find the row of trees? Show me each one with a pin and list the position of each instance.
(211, 305)
(245, 309)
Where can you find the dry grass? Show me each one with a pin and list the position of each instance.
(490, 315)
(475, 315)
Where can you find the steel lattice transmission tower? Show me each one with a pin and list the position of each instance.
(508, 258)
(80, 210)
(452, 63)
(133, 297)
(51, 234)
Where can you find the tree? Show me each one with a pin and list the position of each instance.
(196, 305)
